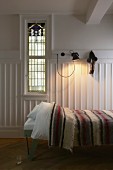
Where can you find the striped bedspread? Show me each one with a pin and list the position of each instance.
(61, 132)
(80, 127)
(93, 127)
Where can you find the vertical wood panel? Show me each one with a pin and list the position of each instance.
(82, 90)
(59, 85)
(96, 88)
(16, 82)
(64, 86)
(101, 86)
(112, 85)
(105, 86)
(19, 114)
(56, 84)
(2, 94)
(70, 87)
(78, 86)
(108, 86)
(24, 111)
(13, 95)
(84, 86)
(10, 94)
(53, 83)
(9, 83)
(7, 94)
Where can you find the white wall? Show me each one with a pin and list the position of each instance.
(83, 90)
(9, 32)
(79, 91)
(70, 33)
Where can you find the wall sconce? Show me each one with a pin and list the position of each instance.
(75, 56)
(91, 60)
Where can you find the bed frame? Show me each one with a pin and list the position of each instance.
(32, 149)
(103, 119)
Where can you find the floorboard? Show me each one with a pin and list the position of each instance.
(83, 158)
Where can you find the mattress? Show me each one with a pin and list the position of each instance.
(29, 124)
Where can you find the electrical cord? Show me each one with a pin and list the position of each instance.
(63, 75)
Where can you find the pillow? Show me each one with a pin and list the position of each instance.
(42, 121)
(33, 112)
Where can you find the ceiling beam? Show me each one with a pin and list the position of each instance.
(97, 10)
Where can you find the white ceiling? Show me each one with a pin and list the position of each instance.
(92, 9)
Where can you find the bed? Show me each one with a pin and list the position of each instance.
(68, 128)
(28, 128)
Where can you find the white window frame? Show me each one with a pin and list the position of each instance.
(24, 19)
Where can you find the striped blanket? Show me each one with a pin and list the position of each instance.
(80, 127)
(61, 132)
(93, 127)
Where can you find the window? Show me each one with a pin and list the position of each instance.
(35, 52)
(36, 57)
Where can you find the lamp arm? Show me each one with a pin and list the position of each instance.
(63, 75)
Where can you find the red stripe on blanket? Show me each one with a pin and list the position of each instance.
(57, 124)
(83, 127)
(106, 127)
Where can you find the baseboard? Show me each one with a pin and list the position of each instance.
(11, 132)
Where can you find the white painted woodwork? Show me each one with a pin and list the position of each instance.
(80, 91)
(10, 98)
(97, 9)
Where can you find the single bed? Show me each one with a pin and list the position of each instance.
(66, 128)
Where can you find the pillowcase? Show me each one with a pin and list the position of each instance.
(42, 121)
(34, 112)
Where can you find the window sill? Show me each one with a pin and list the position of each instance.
(38, 96)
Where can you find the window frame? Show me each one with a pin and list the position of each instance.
(35, 57)
(24, 20)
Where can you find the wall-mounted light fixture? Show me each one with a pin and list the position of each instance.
(91, 60)
(75, 56)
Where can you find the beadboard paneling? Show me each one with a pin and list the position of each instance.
(10, 98)
(82, 90)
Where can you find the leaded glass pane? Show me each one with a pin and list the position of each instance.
(36, 38)
(36, 75)
(36, 49)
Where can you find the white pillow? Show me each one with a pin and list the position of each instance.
(33, 112)
(42, 121)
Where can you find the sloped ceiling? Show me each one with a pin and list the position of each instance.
(93, 10)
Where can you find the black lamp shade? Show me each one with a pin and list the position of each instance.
(75, 56)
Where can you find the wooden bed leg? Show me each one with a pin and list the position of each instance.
(27, 145)
(31, 155)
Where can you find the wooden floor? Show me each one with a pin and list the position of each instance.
(92, 158)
